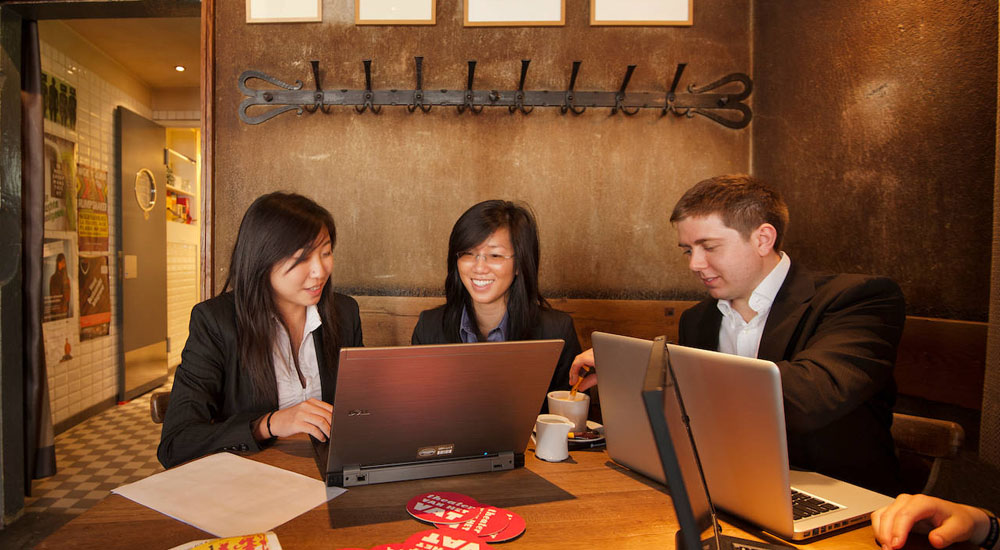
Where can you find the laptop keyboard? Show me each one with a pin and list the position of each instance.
(805, 506)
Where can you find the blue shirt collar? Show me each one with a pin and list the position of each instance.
(467, 331)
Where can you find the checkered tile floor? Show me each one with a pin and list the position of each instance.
(113, 448)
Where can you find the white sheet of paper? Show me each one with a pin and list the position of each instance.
(227, 495)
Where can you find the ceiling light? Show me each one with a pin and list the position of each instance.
(179, 68)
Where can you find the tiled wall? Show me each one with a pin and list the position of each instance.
(165, 117)
(87, 375)
(182, 294)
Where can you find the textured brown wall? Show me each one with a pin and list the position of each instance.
(877, 119)
(989, 437)
(601, 186)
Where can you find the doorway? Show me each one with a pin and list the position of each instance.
(119, 348)
(80, 108)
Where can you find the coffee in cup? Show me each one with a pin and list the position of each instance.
(575, 408)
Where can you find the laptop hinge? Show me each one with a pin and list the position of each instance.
(504, 461)
(352, 475)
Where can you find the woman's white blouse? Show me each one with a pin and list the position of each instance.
(290, 390)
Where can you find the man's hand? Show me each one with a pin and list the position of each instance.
(584, 359)
(944, 522)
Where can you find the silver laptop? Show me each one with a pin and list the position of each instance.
(417, 412)
(688, 490)
(620, 363)
(737, 416)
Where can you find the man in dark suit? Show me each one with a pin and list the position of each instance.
(832, 336)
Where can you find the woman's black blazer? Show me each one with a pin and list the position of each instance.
(212, 405)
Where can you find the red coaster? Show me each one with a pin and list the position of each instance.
(514, 528)
(392, 546)
(444, 538)
(491, 520)
(443, 507)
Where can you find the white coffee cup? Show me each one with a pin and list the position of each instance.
(575, 410)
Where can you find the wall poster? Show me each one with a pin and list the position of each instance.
(92, 204)
(58, 263)
(394, 12)
(95, 297)
(58, 101)
(514, 12)
(641, 12)
(60, 184)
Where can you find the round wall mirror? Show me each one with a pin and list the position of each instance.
(145, 189)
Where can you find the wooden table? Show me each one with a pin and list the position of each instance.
(584, 502)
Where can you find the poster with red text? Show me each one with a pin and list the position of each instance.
(92, 208)
(95, 297)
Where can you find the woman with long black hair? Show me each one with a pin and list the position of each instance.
(260, 360)
(492, 291)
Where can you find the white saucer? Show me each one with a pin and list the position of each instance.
(594, 427)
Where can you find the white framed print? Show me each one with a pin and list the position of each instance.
(641, 12)
(395, 12)
(514, 13)
(284, 11)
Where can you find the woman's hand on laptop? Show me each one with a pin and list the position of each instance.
(585, 363)
(310, 417)
(945, 522)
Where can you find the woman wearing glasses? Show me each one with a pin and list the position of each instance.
(260, 359)
(492, 287)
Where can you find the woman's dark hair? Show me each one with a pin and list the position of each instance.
(524, 301)
(275, 227)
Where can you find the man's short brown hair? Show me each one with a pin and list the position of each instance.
(744, 204)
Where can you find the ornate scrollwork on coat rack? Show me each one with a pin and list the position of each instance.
(707, 101)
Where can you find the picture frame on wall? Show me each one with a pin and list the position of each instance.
(515, 13)
(642, 12)
(395, 12)
(284, 11)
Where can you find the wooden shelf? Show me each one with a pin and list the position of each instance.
(181, 155)
(179, 191)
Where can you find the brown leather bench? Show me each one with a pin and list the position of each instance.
(939, 360)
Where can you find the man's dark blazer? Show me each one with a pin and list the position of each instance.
(834, 339)
(212, 404)
(552, 325)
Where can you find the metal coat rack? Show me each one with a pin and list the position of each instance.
(725, 108)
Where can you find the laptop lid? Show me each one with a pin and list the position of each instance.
(621, 363)
(679, 456)
(687, 491)
(737, 415)
(415, 412)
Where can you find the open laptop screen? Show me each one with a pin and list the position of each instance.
(403, 408)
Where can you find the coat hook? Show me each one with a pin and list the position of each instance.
(418, 94)
(369, 96)
(318, 96)
(519, 96)
(569, 101)
(668, 104)
(468, 104)
(620, 96)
